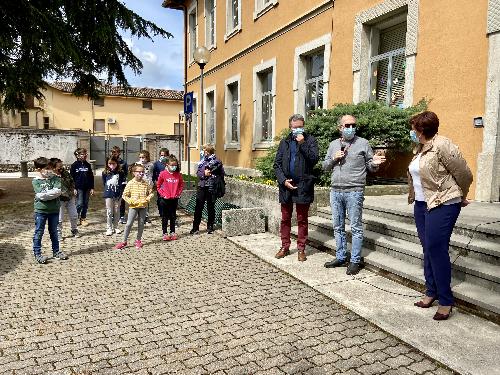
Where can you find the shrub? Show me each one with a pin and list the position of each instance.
(381, 125)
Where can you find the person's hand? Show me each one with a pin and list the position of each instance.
(288, 184)
(465, 202)
(338, 155)
(91, 191)
(75, 192)
(207, 172)
(378, 159)
(299, 138)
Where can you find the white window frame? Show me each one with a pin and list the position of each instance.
(261, 9)
(230, 30)
(194, 122)
(213, 45)
(208, 90)
(366, 22)
(257, 143)
(229, 144)
(193, 8)
(299, 71)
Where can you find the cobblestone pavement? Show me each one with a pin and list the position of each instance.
(193, 306)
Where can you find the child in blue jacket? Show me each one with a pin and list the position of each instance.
(113, 178)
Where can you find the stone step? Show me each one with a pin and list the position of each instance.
(411, 252)
(462, 289)
(487, 250)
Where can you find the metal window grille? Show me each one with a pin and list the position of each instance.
(267, 106)
(234, 102)
(210, 118)
(387, 69)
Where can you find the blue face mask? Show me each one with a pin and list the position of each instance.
(348, 133)
(297, 131)
(413, 136)
(172, 168)
(163, 159)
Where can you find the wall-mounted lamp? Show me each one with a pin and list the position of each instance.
(478, 122)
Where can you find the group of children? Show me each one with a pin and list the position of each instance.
(57, 191)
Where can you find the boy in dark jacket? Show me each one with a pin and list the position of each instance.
(47, 187)
(116, 152)
(296, 157)
(158, 167)
(82, 174)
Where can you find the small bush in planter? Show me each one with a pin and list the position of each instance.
(382, 126)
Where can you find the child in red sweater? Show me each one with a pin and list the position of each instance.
(169, 186)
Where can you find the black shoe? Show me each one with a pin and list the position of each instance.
(353, 268)
(210, 230)
(336, 263)
(194, 231)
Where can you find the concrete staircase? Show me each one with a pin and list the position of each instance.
(391, 244)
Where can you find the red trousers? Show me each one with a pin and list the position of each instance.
(286, 224)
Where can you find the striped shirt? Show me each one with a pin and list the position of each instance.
(137, 193)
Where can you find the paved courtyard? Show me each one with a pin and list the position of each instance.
(193, 306)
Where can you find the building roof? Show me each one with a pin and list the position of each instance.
(173, 4)
(136, 92)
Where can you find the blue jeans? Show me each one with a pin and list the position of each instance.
(352, 203)
(434, 229)
(40, 220)
(82, 203)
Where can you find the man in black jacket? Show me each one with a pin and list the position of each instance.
(296, 157)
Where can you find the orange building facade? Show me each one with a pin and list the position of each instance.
(272, 58)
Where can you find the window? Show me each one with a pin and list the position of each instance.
(192, 31)
(193, 140)
(311, 69)
(46, 122)
(29, 101)
(262, 6)
(210, 23)
(233, 20)
(266, 129)
(387, 67)
(314, 82)
(210, 116)
(99, 126)
(25, 119)
(99, 102)
(232, 113)
(264, 104)
(147, 104)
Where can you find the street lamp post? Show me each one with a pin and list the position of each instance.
(202, 56)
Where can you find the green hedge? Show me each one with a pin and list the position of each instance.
(381, 125)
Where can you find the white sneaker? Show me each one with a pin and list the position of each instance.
(109, 232)
(118, 231)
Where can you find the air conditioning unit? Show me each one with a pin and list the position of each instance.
(111, 120)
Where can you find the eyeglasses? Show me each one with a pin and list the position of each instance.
(350, 125)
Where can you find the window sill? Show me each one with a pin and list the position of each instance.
(232, 33)
(212, 47)
(258, 13)
(264, 145)
(232, 146)
(193, 145)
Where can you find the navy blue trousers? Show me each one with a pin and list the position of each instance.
(434, 229)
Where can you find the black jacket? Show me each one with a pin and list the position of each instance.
(307, 156)
(82, 174)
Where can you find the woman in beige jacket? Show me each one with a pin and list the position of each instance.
(439, 181)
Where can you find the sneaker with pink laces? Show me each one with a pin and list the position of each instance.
(173, 236)
(138, 244)
(120, 245)
(166, 237)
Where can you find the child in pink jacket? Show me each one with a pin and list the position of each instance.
(170, 185)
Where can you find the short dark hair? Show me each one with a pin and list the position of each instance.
(165, 150)
(116, 149)
(426, 123)
(53, 162)
(41, 163)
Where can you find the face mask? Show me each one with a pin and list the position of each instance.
(348, 133)
(297, 131)
(162, 159)
(48, 174)
(413, 136)
(172, 168)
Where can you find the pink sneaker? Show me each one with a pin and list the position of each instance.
(166, 237)
(173, 236)
(138, 244)
(120, 245)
